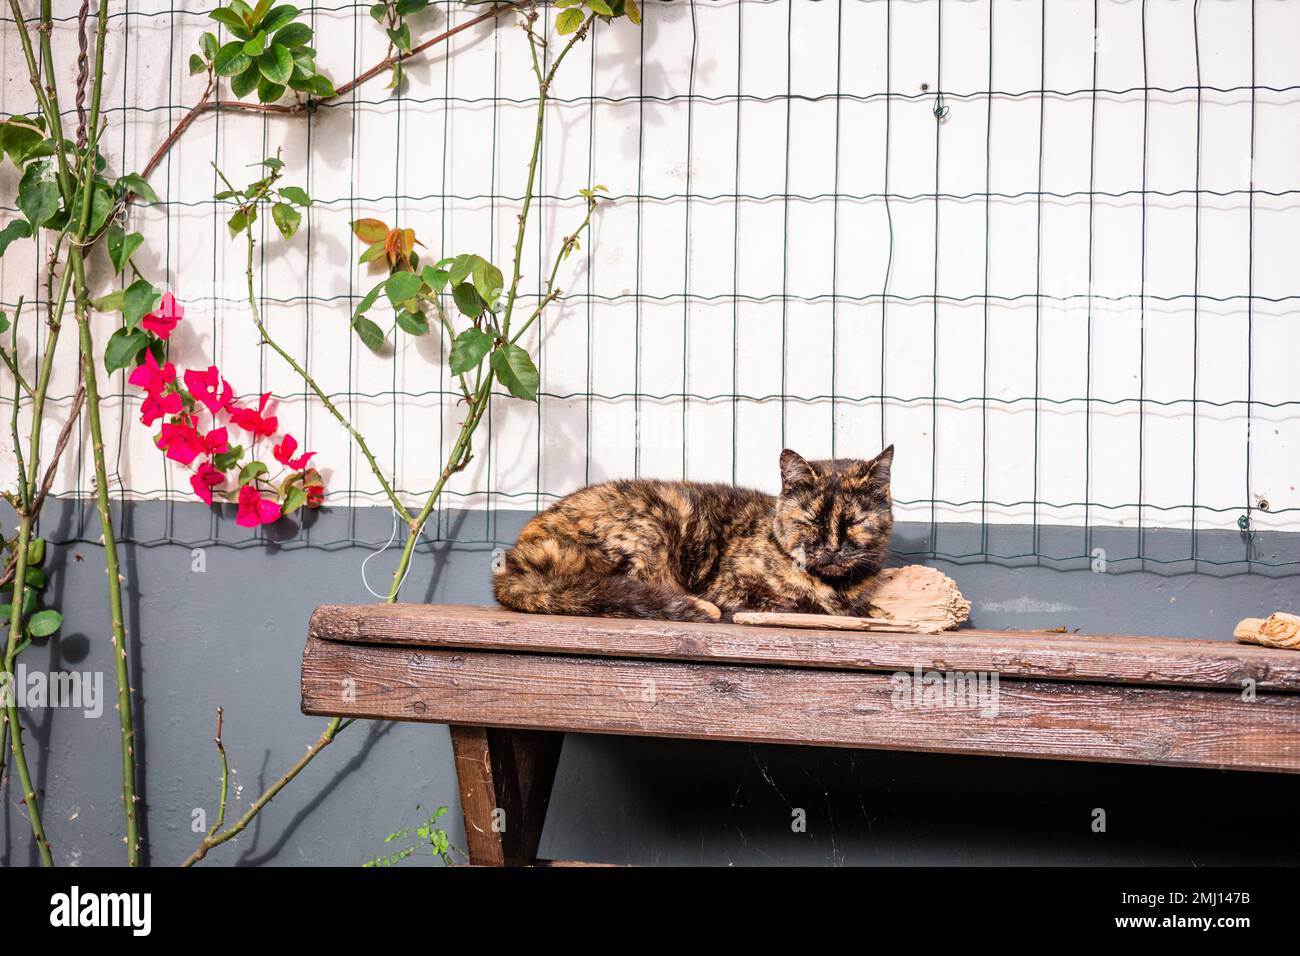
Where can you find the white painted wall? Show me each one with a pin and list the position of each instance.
(784, 294)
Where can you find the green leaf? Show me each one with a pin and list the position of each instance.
(246, 82)
(18, 229)
(229, 458)
(321, 85)
(237, 223)
(251, 472)
(257, 45)
(35, 578)
(294, 500)
(468, 350)
(601, 7)
(122, 348)
(374, 251)
(372, 336)
(516, 371)
(412, 323)
(468, 300)
(36, 552)
(268, 92)
(633, 11)
(286, 219)
(121, 246)
(209, 45)
(20, 139)
(139, 299)
(407, 7)
(276, 64)
(401, 37)
(369, 300)
(278, 18)
(295, 34)
(38, 198)
(231, 21)
(134, 182)
(304, 63)
(402, 287)
(435, 276)
(197, 64)
(101, 204)
(295, 194)
(44, 622)
(568, 21)
(109, 303)
(231, 60)
(460, 269)
(487, 280)
(395, 80)
(378, 11)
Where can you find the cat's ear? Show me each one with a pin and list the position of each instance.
(879, 467)
(794, 469)
(874, 472)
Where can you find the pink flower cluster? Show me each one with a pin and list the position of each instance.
(184, 439)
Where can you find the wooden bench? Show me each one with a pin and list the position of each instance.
(510, 685)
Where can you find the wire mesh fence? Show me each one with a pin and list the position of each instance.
(1044, 248)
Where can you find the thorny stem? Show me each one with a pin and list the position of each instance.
(543, 89)
(552, 293)
(460, 456)
(126, 719)
(312, 384)
(47, 100)
(225, 776)
(238, 827)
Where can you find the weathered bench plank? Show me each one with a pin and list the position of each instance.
(1073, 657)
(795, 705)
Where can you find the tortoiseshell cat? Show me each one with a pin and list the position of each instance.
(684, 551)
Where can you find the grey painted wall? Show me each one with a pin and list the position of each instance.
(232, 636)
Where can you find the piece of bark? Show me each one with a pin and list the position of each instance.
(919, 595)
(1277, 630)
(914, 599)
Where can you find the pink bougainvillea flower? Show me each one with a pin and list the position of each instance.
(315, 495)
(150, 376)
(209, 388)
(204, 480)
(254, 421)
(284, 454)
(216, 442)
(254, 509)
(181, 441)
(163, 320)
(156, 405)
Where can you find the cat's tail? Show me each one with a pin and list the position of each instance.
(548, 577)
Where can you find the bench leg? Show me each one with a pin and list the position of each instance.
(505, 779)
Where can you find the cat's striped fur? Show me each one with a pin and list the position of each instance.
(688, 551)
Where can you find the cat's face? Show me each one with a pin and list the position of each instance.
(834, 517)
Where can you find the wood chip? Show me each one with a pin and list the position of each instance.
(1279, 629)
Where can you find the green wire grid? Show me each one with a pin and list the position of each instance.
(585, 302)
